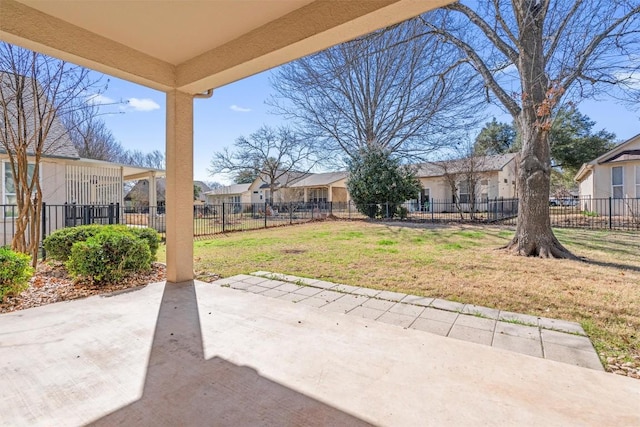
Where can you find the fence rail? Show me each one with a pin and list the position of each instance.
(606, 213)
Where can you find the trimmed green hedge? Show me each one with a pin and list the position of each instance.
(109, 256)
(15, 272)
(59, 243)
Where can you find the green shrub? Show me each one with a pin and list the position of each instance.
(59, 243)
(109, 256)
(15, 272)
(151, 236)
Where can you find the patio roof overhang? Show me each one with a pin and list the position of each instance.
(188, 47)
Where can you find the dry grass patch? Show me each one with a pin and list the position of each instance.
(458, 263)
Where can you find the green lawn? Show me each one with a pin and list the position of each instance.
(458, 263)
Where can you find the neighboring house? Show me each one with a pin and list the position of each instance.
(138, 197)
(615, 175)
(65, 177)
(446, 182)
(320, 187)
(236, 194)
(260, 188)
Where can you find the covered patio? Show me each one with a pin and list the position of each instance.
(191, 353)
(196, 353)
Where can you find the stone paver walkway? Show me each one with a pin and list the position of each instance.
(552, 339)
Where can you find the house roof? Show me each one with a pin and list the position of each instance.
(57, 144)
(228, 190)
(620, 152)
(483, 164)
(320, 179)
(286, 179)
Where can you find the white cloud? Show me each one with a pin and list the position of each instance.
(144, 104)
(239, 109)
(99, 99)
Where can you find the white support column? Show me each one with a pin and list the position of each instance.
(153, 200)
(306, 195)
(330, 194)
(179, 187)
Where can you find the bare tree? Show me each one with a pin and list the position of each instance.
(277, 155)
(91, 137)
(560, 50)
(35, 92)
(154, 159)
(463, 172)
(395, 88)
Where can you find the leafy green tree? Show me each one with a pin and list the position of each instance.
(572, 142)
(245, 176)
(495, 138)
(376, 179)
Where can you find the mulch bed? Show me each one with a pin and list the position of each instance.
(51, 283)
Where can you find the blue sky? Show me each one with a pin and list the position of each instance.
(239, 109)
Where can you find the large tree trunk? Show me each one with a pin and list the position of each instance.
(534, 236)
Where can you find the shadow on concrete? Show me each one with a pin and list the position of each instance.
(183, 388)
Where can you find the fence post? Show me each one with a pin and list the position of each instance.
(110, 213)
(290, 213)
(387, 209)
(118, 213)
(44, 229)
(265, 214)
(431, 208)
(349, 208)
(86, 215)
(223, 217)
(310, 204)
(610, 213)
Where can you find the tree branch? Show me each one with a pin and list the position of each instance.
(481, 67)
(507, 50)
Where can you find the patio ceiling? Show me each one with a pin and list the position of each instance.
(189, 45)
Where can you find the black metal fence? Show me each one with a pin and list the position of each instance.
(606, 213)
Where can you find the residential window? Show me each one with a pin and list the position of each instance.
(617, 182)
(463, 192)
(318, 195)
(9, 188)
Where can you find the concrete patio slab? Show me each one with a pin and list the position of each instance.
(366, 292)
(439, 315)
(465, 333)
(523, 319)
(397, 319)
(391, 296)
(473, 323)
(519, 331)
(528, 346)
(476, 322)
(432, 326)
(307, 291)
(561, 325)
(366, 312)
(447, 305)
(561, 353)
(417, 300)
(407, 309)
(490, 313)
(201, 354)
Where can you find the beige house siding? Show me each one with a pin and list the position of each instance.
(595, 181)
